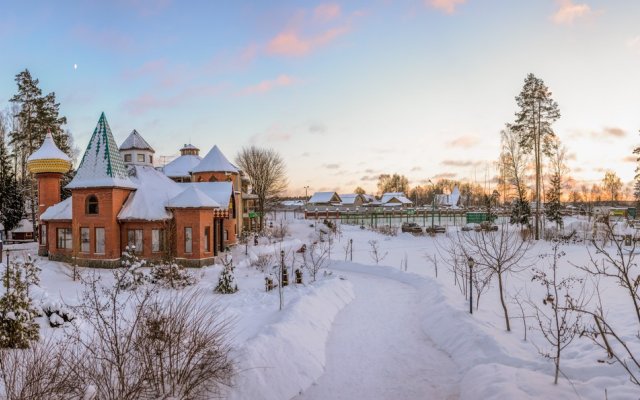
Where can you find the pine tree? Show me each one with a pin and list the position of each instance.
(11, 199)
(17, 325)
(553, 206)
(537, 111)
(636, 185)
(520, 212)
(36, 115)
(227, 281)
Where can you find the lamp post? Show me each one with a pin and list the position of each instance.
(433, 203)
(470, 262)
(305, 193)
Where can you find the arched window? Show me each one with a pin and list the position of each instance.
(91, 205)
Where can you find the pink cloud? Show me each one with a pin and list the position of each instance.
(148, 101)
(292, 43)
(569, 11)
(268, 85)
(327, 12)
(446, 6)
(108, 39)
(149, 67)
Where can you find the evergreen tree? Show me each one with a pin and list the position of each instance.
(36, 114)
(537, 111)
(520, 212)
(17, 325)
(636, 185)
(558, 169)
(227, 281)
(11, 198)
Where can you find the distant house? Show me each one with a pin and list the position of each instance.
(353, 200)
(23, 231)
(395, 199)
(325, 199)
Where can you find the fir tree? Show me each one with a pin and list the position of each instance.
(11, 198)
(227, 281)
(537, 111)
(17, 325)
(636, 185)
(520, 212)
(553, 206)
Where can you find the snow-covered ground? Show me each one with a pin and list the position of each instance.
(392, 330)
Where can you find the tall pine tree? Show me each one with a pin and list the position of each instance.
(537, 111)
(11, 198)
(36, 115)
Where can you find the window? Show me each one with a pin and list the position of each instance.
(64, 238)
(226, 235)
(150, 159)
(134, 239)
(188, 240)
(207, 238)
(127, 158)
(91, 205)
(43, 235)
(157, 240)
(99, 240)
(84, 240)
(140, 157)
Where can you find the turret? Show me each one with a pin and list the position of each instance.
(48, 164)
(136, 151)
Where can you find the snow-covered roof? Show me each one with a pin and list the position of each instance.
(24, 226)
(102, 164)
(350, 198)
(192, 197)
(149, 201)
(59, 211)
(136, 141)
(215, 161)
(220, 192)
(48, 151)
(398, 196)
(324, 198)
(181, 166)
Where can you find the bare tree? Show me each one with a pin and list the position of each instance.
(316, 257)
(561, 324)
(375, 252)
(267, 174)
(501, 252)
(612, 184)
(42, 371)
(618, 264)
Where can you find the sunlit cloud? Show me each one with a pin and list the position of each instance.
(464, 142)
(445, 175)
(416, 169)
(268, 85)
(462, 163)
(327, 12)
(293, 43)
(331, 166)
(568, 11)
(446, 6)
(150, 101)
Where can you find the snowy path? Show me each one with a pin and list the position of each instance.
(377, 349)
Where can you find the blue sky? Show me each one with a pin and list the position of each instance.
(343, 90)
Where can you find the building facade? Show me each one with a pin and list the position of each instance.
(119, 201)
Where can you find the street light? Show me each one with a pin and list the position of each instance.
(470, 262)
(433, 204)
(305, 193)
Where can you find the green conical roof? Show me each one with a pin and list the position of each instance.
(102, 164)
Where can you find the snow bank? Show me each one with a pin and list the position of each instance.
(287, 356)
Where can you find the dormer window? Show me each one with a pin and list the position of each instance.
(127, 158)
(92, 205)
(140, 157)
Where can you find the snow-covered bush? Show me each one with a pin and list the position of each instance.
(262, 262)
(57, 314)
(227, 281)
(130, 276)
(17, 325)
(171, 275)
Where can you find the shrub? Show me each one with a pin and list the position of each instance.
(171, 276)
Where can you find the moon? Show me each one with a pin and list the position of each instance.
(75, 66)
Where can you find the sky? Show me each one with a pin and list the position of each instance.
(344, 91)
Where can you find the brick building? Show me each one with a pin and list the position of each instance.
(119, 199)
